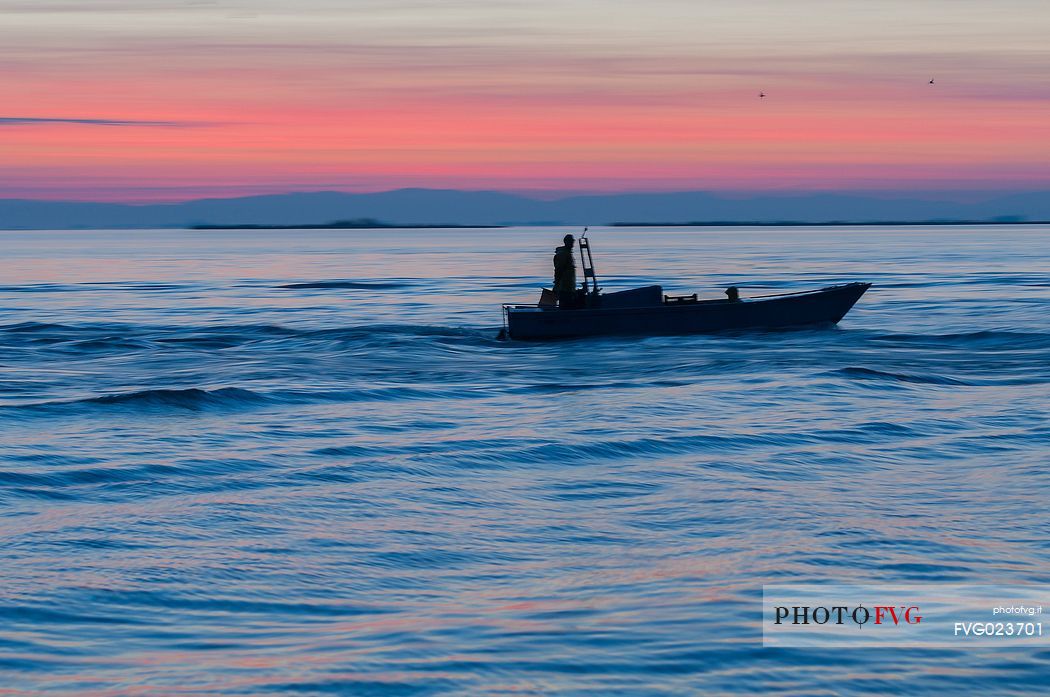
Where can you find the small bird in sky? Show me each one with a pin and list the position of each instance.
(761, 95)
(931, 81)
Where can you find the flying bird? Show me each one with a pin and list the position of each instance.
(931, 81)
(761, 95)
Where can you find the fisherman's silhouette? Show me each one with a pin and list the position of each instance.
(565, 274)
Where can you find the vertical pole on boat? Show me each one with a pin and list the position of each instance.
(587, 261)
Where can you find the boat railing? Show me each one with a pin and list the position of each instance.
(800, 292)
(515, 306)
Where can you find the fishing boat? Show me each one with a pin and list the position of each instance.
(648, 311)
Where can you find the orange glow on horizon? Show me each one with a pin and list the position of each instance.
(289, 107)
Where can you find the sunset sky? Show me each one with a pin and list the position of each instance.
(144, 100)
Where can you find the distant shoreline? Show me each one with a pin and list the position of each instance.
(447, 208)
(363, 224)
(383, 226)
(452, 209)
(377, 225)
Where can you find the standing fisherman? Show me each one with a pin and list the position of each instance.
(565, 274)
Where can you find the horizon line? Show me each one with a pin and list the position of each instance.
(548, 195)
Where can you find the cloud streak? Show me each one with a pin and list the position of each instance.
(35, 121)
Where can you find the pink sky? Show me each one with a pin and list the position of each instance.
(169, 99)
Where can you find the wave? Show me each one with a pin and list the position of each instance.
(145, 286)
(108, 343)
(253, 330)
(193, 399)
(52, 479)
(986, 338)
(348, 285)
(31, 327)
(108, 337)
(188, 399)
(872, 374)
(134, 286)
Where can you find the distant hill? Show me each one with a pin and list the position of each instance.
(431, 206)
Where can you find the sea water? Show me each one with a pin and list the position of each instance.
(300, 462)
